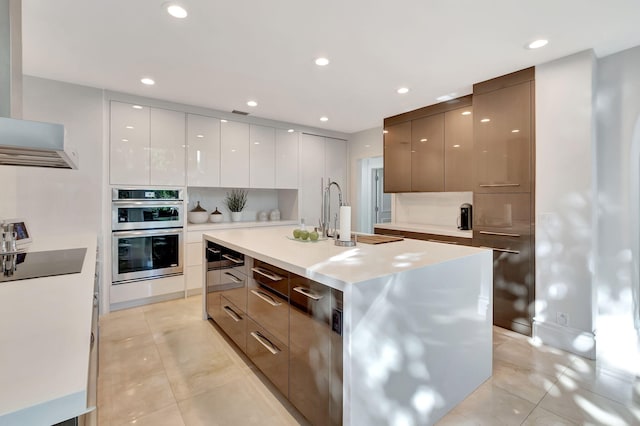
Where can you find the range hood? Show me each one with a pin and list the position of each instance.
(22, 142)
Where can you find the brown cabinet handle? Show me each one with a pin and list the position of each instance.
(497, 185)
(445, 242)
(233, 259)
(232, 313)
(501, 250)
(499, 234)
(233, 277)
(265, 342)
(214, 251)
(267, 298)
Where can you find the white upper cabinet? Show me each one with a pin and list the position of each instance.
(262, 157)
(311, 174)
(287, 159)
(203, 151)
(147, 146)
(234, 154)
(167, 141)
(335, 162)
(129, 145)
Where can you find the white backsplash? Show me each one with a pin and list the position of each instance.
(429, 208)
(257, 200)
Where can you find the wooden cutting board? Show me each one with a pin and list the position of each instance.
(377, 239)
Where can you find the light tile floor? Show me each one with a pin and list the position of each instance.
(162, 364)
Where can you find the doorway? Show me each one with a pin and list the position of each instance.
(381, 201)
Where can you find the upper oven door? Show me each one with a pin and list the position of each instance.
(127, 215)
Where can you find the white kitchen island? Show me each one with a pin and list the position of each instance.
(417, 318)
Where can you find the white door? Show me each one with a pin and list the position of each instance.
(262, 157)
(129, 144)
(203, 151)
(234, 154)
(167, 143)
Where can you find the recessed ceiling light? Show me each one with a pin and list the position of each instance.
(403, 90)
(252, 103)
(128, 127)
(515, 131)
(199, 136)
(324, 119)
(136, 107)
(466, 113)
(290, 130)
(322, 62)
(176, 10)
(537, 44)
(148, 81)
(485, 120)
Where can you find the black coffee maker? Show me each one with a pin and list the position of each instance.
(465, 217)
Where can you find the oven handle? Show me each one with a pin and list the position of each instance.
(153, 203)
(147, 233)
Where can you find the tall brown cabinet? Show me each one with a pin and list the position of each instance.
(503, 197)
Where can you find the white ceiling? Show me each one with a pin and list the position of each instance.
(227, 52)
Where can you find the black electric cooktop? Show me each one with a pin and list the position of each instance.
(37, 264)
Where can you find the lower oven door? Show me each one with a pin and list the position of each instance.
(141, 255)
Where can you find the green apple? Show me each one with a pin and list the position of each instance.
(304, 234)
(296, 233)
(313, 236)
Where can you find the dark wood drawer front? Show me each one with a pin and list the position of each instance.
(502, 215)
(268, 299)
(234, 283)
(234, 322)
(270, 355)
(436, 238)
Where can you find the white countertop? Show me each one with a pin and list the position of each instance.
(45, 331)
(209, 226)
(428, 229)
(335, 266)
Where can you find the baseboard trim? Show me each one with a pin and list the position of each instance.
(194, 291)
(145, 301)
(566, 338)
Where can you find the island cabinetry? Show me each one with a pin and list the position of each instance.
(434, 238)
(203, 151)
(234, 154)
(147, 145)
(262, 157)
(315, 384)
(287, 152)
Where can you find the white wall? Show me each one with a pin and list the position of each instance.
(565, 184)
(60, 201)
(618, 230)
(362, 145)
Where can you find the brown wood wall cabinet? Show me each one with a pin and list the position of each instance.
(429, 149)
(503, 199)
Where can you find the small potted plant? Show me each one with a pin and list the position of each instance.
(235, 201)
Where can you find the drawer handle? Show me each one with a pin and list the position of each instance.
(268, 274)
(232, 313)
(499, 234)
(307, 292)
(233, 259)
(233, 277)
(265, 342)
(502, 250)
(440, 241)
(267, 298)
(497, 185)
(214, 251)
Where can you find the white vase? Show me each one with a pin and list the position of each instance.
(236, 216)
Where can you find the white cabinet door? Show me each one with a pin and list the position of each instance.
(203, 151)
(129, 145)
(262, 157)
(335, 163)
(310, 190)
(287, 159)
(167, 142)
(234, 154)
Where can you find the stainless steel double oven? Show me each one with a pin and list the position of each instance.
(147, 234)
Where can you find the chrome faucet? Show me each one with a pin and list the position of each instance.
(325, 219)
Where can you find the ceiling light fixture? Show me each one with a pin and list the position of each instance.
(252, 103)
(147, 81)
(324, 119)
(537, 44)
(176, 10)
(403, 90)
(322, 62)
(466, 113)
